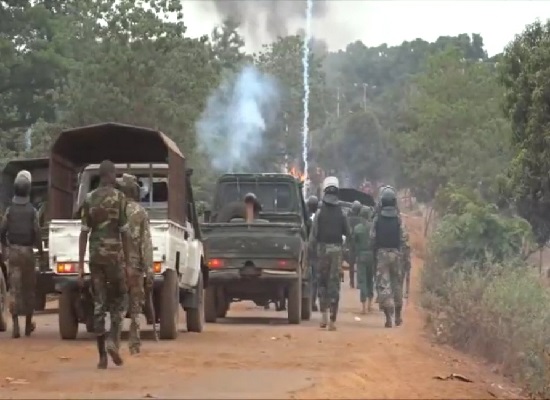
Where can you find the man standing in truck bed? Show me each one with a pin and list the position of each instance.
(141, 256)
(103, 217)
(19, 232)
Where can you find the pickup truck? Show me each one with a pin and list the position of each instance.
(179, 263)
(264, 261)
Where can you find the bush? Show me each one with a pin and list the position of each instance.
(480, 296)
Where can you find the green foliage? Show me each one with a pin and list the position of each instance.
(525, 73)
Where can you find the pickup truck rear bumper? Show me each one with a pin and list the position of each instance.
(219, 276)
(71, 281)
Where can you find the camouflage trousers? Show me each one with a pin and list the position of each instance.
(329, 266)
(22, 279)
(136, 302)
(110, 294)
(314, 279)
(365, 275)
(389, 278)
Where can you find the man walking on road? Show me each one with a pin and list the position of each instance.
(140, 255)
(103, 217)
(365, 259)
(330, 226)
(353, 220)
(388, 241)
(19, 233)
(313, 206)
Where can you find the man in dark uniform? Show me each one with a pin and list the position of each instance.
(19, 234)
(353, 220)
(330, 227)
(313, 206)
(104, 219)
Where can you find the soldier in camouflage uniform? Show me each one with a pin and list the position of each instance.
(330, 226)
(313, 206)
(389, 243)
(141, 256)
(353, 220)
(103, 216)
(365, 259)
(19, 233)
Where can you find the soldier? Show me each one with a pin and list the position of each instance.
(365, 259)
(313, 206)
(330, 226)
(19, 233)
(141, 256)
(388, 241)
(103, 216)
(353, 220)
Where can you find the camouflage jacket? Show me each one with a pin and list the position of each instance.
(405, 250)
(141, 243)
(103, 214)
(361, 236)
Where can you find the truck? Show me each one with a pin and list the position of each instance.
(38, 167)
(179, 264)
(263, 261)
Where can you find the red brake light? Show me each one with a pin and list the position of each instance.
(215, 263)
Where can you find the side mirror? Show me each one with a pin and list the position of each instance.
(207, 215)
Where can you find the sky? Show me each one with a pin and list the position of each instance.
(392, 22)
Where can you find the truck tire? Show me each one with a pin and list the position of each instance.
(68, 320)
(195, 316)
(210, 307)
(3, 303)
(306, 308)
(295, 303)
(169, 306)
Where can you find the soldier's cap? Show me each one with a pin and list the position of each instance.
(23, 175)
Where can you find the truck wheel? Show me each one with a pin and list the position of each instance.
(210, 307)
(306, 308)
(68, 321)
(295, 303)
(3, 303)
(195, 316)
(169, 306)
(40, 301)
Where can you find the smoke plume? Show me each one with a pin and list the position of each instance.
(278, 16)
(231, 129)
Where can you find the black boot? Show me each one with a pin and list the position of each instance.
(113, 351)
(30, 326)
(15, 332)
(103, 361)
(388, 311)
(398, 319)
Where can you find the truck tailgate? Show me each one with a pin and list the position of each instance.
(258, 240)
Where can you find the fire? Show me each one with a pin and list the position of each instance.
(297, 174)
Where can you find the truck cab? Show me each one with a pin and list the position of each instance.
(166, 194)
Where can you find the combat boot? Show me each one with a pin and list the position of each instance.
(332, 325)
(103, 361)
(15, 332)
(30, 326)
(113, 351)
(363, 308)
(398, 319)
(388, 311)
(324, 319)
(369, 305)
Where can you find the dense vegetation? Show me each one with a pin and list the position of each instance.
(465, 133)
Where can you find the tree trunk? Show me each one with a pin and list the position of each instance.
(427, 220)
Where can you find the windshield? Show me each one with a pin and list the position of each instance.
(273, 196)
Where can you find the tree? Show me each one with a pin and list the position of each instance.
(525, 73)
(228, 45)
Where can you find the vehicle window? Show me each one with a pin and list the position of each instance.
(272, 196)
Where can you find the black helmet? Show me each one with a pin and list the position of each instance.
(388, 197)
(312, 204)
(356, 207)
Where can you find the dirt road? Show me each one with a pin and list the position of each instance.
(253, 354)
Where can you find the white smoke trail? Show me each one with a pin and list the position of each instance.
(305, 63)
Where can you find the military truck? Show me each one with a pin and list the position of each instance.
(263, 261)
(38, 167)
(179, 263)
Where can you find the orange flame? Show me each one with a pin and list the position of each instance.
(297, 174)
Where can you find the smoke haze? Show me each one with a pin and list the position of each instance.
(232, 127)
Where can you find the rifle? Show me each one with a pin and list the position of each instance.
(150, 309)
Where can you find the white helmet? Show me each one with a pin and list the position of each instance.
(331, 181)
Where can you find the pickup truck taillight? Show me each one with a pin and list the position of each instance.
(66, 268)
(157, 267)
(215, 263)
